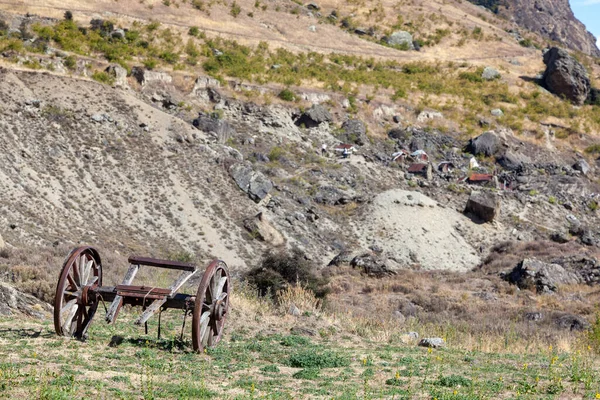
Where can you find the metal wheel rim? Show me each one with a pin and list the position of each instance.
(211, 306)
(73, 309)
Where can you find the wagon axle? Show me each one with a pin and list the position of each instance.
(80, 290)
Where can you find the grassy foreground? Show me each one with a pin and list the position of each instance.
(267, 354)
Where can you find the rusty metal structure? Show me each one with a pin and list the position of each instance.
(80, 291)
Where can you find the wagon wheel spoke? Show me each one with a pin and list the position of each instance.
(204, 321)
(72, 282)
(67, 326)
(220, 285)
(66, 309)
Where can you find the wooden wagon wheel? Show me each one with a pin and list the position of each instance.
(74, 308)
(211, 306)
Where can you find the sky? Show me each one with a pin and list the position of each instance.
(588, 12)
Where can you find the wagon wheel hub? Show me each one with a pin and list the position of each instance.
(219, 310)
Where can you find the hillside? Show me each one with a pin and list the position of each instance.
(191, 130)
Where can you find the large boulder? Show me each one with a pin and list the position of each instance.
(354, 131)
(254, 183)
(147, 77)
(565, 76)
(540, 276)
(512, 161)
(219, 129)
(483, 206)
(487, 144)
(401, 39)
(582, 166)
(314, 116)
(261, 228)
(119, 73)
(372, 265)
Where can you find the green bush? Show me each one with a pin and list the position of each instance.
(593, 149)
(103, 77)
(194, 31)
(308, 373)
(453, 381)
(235, 9)
(294, 341)
(287, 95)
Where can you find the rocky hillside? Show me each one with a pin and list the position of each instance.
(420, 142)
(552, 19)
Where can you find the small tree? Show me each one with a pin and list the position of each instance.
(280, 269)
(68, 15)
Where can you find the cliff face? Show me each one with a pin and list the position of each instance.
(553, 19)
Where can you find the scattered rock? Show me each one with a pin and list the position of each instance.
(489, 74)
(304, 331)
(254, 183)
(483, 205)
(565, 76)
(540, 276)
(219, 129)
(261, 228)
(534, 316)
(496, 112)
(427, 115)
(512, 161)
(582, 166)
(399, 134)
(434, 343)
(560, 237)
(314, 116)
(487, 144)
(313, 6)
(354, 131)
(401, 39)
(312, 28)
(371, 265)
(572, 322)
(118, 34)
(13, 302)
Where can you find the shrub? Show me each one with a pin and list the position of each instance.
(593, 149)
(276, 153)
(68, 15)
(308, 373)
(235, 9)
(280, 269)
(70, 62)
(103, 77)
(194, 31)
(453, 381)
(287, 95)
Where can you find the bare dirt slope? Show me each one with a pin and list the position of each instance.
(68, 178)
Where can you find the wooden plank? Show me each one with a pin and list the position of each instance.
(157, 304)
(154, 262)
(115, 306)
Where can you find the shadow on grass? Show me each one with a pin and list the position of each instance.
(26, 333)
(160, 344)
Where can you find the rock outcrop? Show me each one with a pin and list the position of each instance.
(554, 20)
(565, 76)
(540, 276)
(14, 302)
(254, 183)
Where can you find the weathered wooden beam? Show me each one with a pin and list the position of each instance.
(117, 303)
(157, 304)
